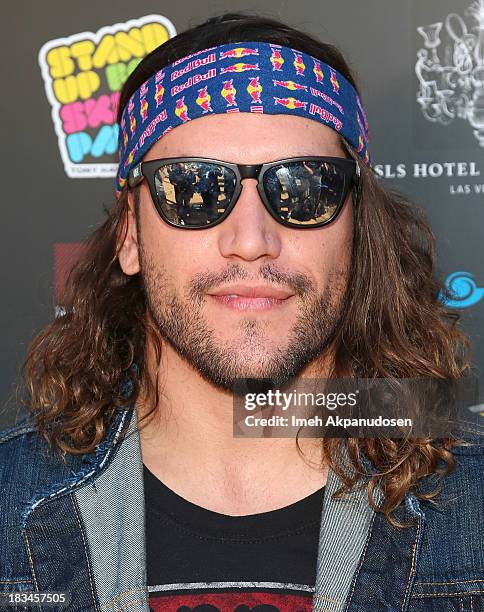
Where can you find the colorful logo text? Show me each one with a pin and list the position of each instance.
(83, 75)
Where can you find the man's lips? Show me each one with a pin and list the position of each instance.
(245, 297)
(256, 291)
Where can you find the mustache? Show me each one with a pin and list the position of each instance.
(203, 282)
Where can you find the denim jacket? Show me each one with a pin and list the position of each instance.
(77, 526)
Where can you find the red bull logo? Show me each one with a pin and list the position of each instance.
(362, 129)
(160, 90)
(238, 52)
(131, 156)
(239, 67)
(132, 124)
(361, 144)
(291, 85)
(143, 110)
(363, 114)
(181, 109)
(290, 102)
(131, 105)
(276, 59)
(160, 75)
(254, 89)
(143, 90)
(203, 100)
(299, 64)
(334, 81)
(228, 92)
(318, 72)
(125, 138)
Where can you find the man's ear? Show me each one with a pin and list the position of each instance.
(128, 254)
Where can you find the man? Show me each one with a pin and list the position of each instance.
(182, 182)
(143, 496)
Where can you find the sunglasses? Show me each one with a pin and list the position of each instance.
(196, 192)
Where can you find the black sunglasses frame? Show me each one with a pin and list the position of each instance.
(148, 169)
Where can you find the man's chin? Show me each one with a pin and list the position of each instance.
(275, 373)
(254, 343)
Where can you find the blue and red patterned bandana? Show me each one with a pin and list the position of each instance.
(245, 77)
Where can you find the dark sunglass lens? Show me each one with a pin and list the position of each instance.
(193, 193)
(305, 192)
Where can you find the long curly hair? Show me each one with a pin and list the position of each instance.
(393, 324)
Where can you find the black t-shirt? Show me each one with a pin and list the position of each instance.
(203, 561)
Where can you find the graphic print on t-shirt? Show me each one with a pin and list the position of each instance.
(202, 561)
(233, 597)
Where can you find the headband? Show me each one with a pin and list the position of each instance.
(247, 77)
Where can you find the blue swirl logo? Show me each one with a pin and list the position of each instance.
(461, 291)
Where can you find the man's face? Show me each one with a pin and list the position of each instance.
(190, 275)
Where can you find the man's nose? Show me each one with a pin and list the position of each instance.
(249, 232)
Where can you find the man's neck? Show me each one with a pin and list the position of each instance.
(189, 445)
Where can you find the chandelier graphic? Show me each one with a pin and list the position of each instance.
(451, 76)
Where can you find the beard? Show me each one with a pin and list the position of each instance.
(251, 353)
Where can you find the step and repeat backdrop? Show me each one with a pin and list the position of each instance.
(420, 67)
